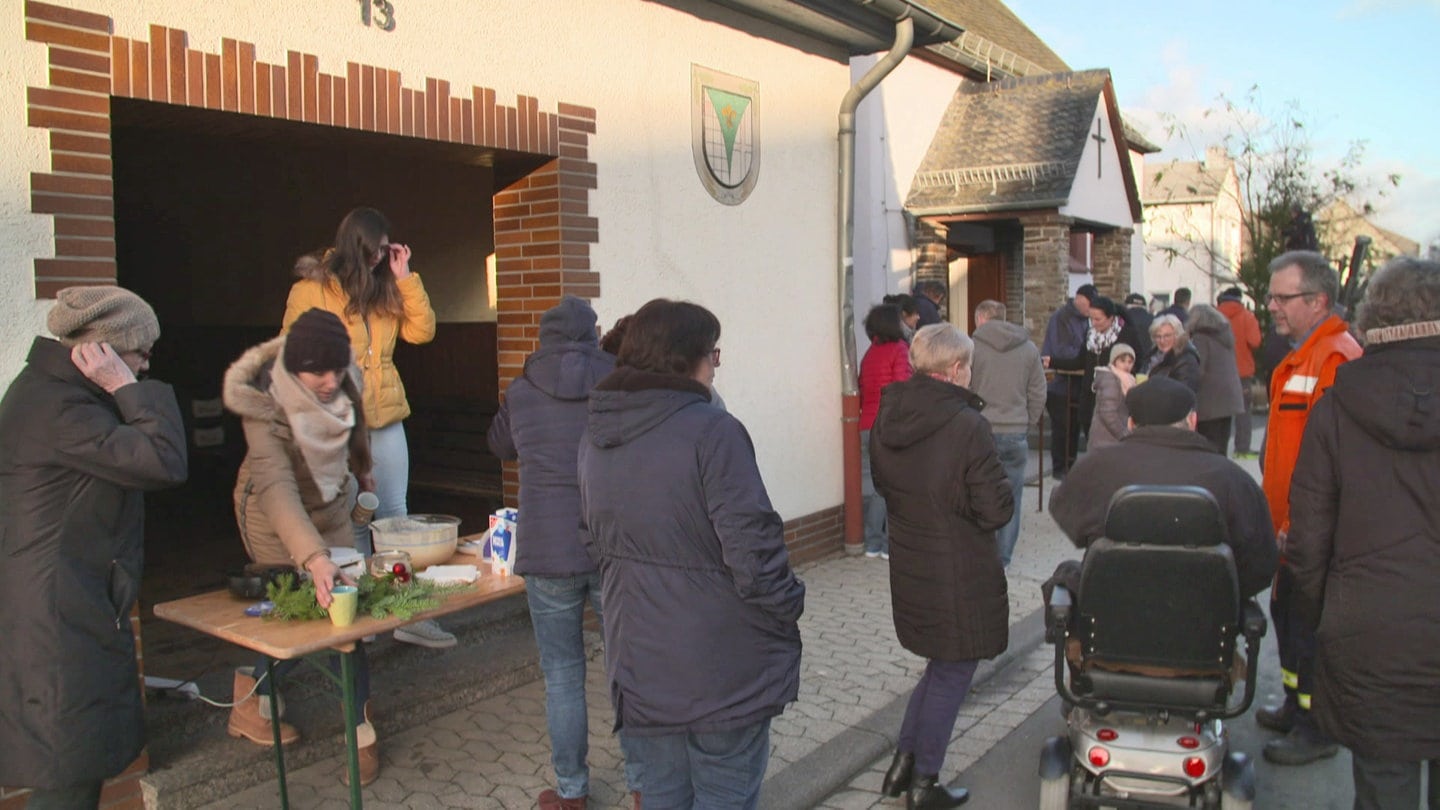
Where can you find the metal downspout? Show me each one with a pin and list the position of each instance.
(850, 390)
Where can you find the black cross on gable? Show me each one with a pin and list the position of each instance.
(1100, 139)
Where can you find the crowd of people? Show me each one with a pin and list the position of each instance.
(643, 499)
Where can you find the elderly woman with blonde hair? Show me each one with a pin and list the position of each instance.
(934, 460)
(1174, 355)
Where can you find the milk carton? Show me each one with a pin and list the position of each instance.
(500, 541)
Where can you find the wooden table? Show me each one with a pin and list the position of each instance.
(221, 615)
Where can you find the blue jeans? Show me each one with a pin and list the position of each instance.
(391, 453)
(717, 771)
(930, 715)
(1013, 449)
(557, 607)
(876, 538)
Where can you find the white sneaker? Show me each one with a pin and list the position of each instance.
(425, 634)
(884, 555)
(873, 554)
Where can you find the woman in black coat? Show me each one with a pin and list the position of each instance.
(1364, 543)
(1174, 356)
(1108, 328)
(81, 438)
(933, 459)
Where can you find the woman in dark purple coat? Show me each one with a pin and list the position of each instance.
(934, 460)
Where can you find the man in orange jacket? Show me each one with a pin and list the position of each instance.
(1247, 340)
(1303, 288)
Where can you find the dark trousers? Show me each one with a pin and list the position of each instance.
(1065, 412)
(1389, 784)
(930, 716)
(1217, 432)
(1244, 420)
(76, 797)
(1295, 636)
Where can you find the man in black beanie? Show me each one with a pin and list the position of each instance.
(1164, 449)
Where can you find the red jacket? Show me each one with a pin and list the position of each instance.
(1247, 334)
(1299, 380)
(883, 364)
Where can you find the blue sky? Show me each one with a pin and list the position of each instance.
(1362, 70)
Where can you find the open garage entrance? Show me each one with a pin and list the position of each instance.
(211, 211)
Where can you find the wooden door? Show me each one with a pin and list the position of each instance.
(985, 280)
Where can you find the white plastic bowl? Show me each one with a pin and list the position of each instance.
(428, 539)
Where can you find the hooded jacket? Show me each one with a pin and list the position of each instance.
(701, 608)
(933, 459)
(1364, 546)
(1247, 333)
(73, 463)
(1007, 374)
(373, 337)
(283, 518)
(540, 422)
(1181, 364)
(1219, 395)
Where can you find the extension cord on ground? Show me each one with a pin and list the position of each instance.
(187, 688)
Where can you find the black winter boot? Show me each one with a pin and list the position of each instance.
(897, 779)
(926, 793)
(1280, 718)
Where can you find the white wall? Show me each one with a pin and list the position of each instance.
(766, 267)
(1100, 199)
(894, 127)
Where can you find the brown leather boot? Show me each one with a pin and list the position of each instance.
(369, 750)
(550, 800)
(250, 717)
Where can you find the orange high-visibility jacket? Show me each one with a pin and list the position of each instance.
(1295, 387)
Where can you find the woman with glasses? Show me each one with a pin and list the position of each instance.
(702, 638)
(1174, 355)
(365, 280)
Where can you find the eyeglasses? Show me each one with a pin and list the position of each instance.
(1284, 298)
(715, 357)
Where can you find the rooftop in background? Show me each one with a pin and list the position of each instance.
(1186, 181)
(1010, 144)
(995, 40)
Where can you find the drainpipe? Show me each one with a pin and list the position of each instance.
(850, 389)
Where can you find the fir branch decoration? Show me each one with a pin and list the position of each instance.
(380, 597)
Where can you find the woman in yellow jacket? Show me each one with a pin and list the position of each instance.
(365, 280)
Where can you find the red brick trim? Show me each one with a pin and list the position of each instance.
(816, 535)
(88, 64)
(544, 218)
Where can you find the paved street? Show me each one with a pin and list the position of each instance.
(829, 749)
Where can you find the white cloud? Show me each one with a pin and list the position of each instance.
(1413, 209)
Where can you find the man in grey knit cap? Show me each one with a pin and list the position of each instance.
(80, 439)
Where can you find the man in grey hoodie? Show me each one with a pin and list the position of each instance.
(1008, 375)
(540, 423)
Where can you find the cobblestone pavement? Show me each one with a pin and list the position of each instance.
(495, 753)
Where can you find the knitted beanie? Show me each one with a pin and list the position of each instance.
(103, 314)
(317, 342)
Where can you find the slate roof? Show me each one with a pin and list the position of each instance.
(1012, 144)
(993, 21)
(1183, 181)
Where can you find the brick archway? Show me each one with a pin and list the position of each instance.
(542, 223)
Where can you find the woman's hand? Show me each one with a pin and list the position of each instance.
(366, 482)
(102, 366)
(323, 572)
(399, 260)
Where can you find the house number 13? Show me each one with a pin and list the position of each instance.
(384, 15)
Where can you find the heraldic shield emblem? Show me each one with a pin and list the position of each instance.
(725, 133)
